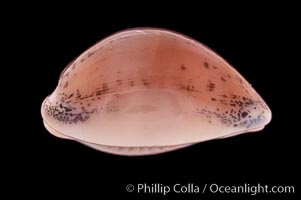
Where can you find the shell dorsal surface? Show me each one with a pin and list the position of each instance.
(145, 91)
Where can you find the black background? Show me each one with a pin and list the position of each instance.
(258, 41)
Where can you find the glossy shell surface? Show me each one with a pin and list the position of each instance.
(147, 91)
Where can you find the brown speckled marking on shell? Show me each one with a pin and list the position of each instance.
(142, 89)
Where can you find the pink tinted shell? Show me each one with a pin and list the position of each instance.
(146, 91)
